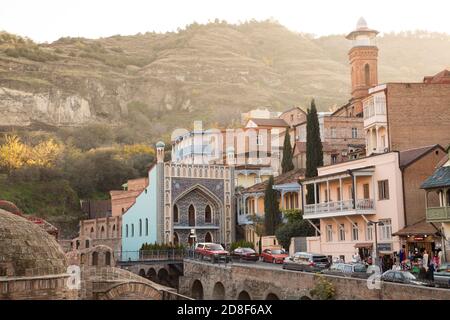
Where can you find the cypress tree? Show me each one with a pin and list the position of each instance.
(314, 150)
(272, 214)
(287, 164)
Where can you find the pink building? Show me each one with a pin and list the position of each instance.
(352, 194)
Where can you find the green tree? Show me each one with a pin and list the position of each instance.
(295, 227)
(314, 150)
(272, 214)
(287, 164)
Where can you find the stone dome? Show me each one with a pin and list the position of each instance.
(28, 250)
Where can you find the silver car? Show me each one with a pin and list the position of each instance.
(442, 276)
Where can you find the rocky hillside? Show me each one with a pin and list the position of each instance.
(211, 72)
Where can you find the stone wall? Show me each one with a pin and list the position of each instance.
(264, 281)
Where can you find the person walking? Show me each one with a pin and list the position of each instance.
(425, 260)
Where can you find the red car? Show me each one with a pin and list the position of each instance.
(274, 255)
(211, 251)
(247, 254)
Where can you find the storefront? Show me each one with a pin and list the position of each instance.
(419, 237)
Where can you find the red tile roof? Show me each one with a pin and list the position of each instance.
(441, 77)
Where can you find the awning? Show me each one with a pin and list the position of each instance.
(420, 228)
(364, 245)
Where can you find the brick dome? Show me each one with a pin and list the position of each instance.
(27, 250)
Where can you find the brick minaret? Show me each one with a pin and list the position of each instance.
(363, 57)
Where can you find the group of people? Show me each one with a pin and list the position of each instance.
(420, 262)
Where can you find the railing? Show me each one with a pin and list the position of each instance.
(339, 206)
(438, 214)
(150, 255)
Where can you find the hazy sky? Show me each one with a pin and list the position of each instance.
(48, 20)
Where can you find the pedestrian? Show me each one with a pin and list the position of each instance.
(422, 273)
(425, 260)
(401, 254)
(430, 272)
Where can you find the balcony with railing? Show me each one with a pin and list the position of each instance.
(336, 208)
(354, 191)
(438, 199)
(438, 214)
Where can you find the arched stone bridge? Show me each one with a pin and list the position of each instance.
(204, 280)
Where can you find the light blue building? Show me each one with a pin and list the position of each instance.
(182, 204)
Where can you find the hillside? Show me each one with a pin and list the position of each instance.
(155, 82)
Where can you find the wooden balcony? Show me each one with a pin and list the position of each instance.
(438, 214)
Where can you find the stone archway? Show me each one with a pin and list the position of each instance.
(208, 237)
(218, 291)
(142, 273)
(163, 276)
(244, 295)
(197, 290)
(151, 274)
(132, 291)
(272, 296)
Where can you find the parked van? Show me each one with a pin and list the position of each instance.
(305, 261)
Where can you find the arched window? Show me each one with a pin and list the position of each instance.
(132, 229)
(175, 213)
(367, 74)
(191, 212)
(114, 230)
(208, 237)
(146, 226)
(92, 230)
(176, 240)
(140, 227)
(102, 232)
(108, 258)
(86, 243)
(95, 258)
(208, 214)
(126, 231)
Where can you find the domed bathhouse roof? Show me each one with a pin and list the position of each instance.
(29, 253)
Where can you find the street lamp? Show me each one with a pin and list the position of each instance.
(376, 223)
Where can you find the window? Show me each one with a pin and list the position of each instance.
(108, 258)
(146, 227)
(191, 213)
(329, 233)
(95, 258)
(383, 190)
(126, 231)
(369, 233)
(355, 232)
(175, 213)
(386, 229)
(333, 132)
(132, 229)
(341, 232)
(354, 133)
(366, 191)
(208, 214)
(338, 193)
(259, 140)
(367, 74)
(334, 158)
(140, 227)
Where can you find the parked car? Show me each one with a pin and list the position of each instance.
(404, 277)
(274, 255)
(442, 276)
(212, 251)
(305, 261)
(354, 270)
(247, 254)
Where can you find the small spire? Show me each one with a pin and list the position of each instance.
(361, 24)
